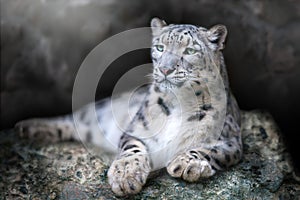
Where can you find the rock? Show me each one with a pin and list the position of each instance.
(69, 170)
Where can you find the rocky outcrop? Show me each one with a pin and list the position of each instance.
(71, 171)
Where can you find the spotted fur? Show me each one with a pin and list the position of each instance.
(174, 119)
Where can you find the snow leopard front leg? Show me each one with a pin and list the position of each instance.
(128, 173)
(205, 160)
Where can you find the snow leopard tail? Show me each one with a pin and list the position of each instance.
(63, 128)
(48, 130)
(78, 126)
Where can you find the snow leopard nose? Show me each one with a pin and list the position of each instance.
(166, 71)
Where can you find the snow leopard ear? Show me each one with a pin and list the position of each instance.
(157, 25)
(217, 36)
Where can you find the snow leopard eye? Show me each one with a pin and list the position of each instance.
(159, 48)
(190, 51)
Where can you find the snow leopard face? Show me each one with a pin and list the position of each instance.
(181, 52)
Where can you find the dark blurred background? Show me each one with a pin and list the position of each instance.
(43, 43)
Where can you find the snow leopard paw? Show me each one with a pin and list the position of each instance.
(190, 168)
(128, 174)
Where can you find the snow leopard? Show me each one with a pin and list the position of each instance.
(186, 120)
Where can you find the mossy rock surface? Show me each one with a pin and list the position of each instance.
(69, 170)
